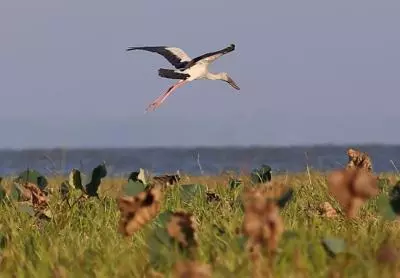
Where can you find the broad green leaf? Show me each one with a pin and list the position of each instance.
(159, 243)
(385, 208)
(15, 193)
(138, 176)
(64, 189)
(189, 191)
(334, 246)
(97, 174)
(162, 219)
(132, 188)
(32, 176)
(75, 179)
(394, 196)
(285, 198)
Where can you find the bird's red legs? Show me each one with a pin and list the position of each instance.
(157, 102)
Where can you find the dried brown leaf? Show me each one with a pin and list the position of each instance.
(262, 222)
(182, 228)
(351, 188)
(359, 160)
(327, 210)
(39, 199)
(138, 210)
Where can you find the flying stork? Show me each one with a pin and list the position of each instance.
(187, 69)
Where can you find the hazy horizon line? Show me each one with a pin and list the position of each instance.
(247, 146)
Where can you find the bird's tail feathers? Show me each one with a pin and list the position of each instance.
(172, 74)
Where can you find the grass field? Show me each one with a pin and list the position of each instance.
(83, 241)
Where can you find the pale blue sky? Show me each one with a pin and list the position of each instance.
(309, 72)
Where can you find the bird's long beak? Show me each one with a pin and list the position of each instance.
(232, 83)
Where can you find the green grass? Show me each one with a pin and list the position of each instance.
(84, 240)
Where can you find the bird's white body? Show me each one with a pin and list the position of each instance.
(198, 71)
(187, 69)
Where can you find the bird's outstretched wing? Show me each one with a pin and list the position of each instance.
(176, 56)
(211, 56)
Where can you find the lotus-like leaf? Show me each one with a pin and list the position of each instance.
(159, 243)
(88, 184)
(138, 176)
(32, 176)
(189, 191)
(385, 207)
(64, 189)
(285, 198)
(75, 179)
(97, 174)
(334, 246)
(15, 192)
(394, 196)
(162, 219)
(133, 188)
(262, 174)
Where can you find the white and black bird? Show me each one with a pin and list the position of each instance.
(187, 69)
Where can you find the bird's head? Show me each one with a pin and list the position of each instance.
(227, 78)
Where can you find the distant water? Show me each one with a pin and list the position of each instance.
(209, 161)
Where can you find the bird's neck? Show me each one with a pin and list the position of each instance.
(214, 76)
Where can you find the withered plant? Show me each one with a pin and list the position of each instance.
(182, 228)
(327, 210)
(359, 160)
(263, 226)
(138, 210)
(352, 188)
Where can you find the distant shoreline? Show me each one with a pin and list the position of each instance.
(222, 147)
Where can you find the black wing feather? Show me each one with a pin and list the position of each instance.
(162, 50)
(172, 74)
(226, 50)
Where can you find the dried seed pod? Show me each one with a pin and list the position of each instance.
(358, 159)
(351, 188)
(327, 210)
(138, 210)
(192, 269)
(39, 199)
(167, 180)
(182, 228)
